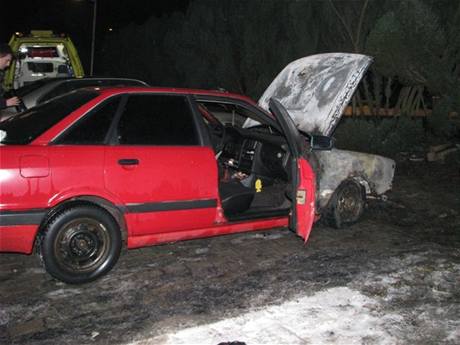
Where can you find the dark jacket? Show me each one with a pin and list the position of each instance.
(2, 91)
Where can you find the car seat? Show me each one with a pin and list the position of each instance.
(235, 197)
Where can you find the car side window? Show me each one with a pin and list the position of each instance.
(157, 120)
(93, 127)
(225, 113)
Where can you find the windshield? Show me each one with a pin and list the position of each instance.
(24, 127)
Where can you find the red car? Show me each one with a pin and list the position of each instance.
(96, 168)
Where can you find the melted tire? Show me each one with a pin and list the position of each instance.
(346, 205)
(80, 244)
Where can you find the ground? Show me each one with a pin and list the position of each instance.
(392, 278)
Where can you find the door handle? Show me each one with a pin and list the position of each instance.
(128, 161)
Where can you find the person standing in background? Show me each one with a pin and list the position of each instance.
(6, 55)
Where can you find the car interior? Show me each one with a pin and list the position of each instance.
(253, 163)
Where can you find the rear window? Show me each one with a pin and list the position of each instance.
(40, 67)
(25, 127)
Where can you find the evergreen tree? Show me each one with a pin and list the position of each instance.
(418, 42)
(240, 46)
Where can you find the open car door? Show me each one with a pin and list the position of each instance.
(303, 178)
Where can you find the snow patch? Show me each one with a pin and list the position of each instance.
(201, 250)
(337, 315)
(63, 293)
(422, 288)
(4, 316)
(263, 236)
(454, 336)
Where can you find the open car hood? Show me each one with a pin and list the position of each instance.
(316, 89)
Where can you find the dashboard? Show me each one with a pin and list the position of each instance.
(255, 151)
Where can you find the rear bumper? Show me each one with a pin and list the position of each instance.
(18, 238)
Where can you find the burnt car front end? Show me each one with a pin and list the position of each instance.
(315, 91)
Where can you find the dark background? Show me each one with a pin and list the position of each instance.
(410, 93)
(75, 18)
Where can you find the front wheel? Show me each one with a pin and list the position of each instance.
(80, 244)
(346, 205)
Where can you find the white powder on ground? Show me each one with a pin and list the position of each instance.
(334, 316)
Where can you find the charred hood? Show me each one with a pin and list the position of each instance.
(316, 89)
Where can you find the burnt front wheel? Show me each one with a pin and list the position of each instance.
(80, 244)
(346, 205)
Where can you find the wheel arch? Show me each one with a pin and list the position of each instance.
(86, 200)
(362, 182)
(326, 196)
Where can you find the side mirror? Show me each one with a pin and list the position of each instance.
(321, 143)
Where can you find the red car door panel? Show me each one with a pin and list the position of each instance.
(166, 180)
(305, 201)
(163, 188)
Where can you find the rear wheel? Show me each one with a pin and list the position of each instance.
(80, 244)
(346, 205)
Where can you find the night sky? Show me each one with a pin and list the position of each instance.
(74, 17)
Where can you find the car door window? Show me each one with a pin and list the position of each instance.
(157, 120)
(226, 113)
(93, 127)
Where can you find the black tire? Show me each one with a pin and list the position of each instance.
(346, 205)
(80, 244)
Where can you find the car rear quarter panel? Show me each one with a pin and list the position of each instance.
(19, 239)
(34, 179)
(25, 178)
(25, 184)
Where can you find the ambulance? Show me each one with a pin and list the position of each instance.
(41, 54)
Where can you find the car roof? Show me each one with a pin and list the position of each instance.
(107, 91)
(72, 79)
(49, 82)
